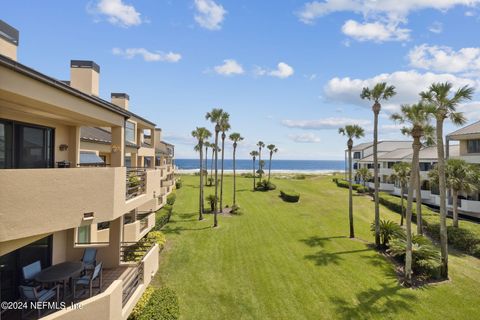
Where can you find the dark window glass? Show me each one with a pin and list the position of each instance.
(356, 155)
(473, 146)
(130, 131)
(6, 154)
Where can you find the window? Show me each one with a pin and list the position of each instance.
(390, 165)
(425, 166)
(356, 155)
(103, 225)
(473, 146)
(130, 131)
(83, 234)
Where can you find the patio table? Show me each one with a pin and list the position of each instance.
(61, 272)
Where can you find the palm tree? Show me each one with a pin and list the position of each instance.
(215, 116)
(224, 126)
(207, 145)
(364, 174)
(379, 92)
(254, 155)
(401, 173)
(460, 177)
(351, 131)
(235, 137)
(212, 145)
(418, 116)
(260, 145)
(201, 134)
(273, 149)
(438, 94)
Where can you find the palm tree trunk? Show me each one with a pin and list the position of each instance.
(419, 202)
(455, 207)
(234, 177)
(443, 199)
(206, 164)
(211, 166)
(260, 164)
(215, 211)
(350, 196)
(221, 175)
(200, 215)
(413, 178)
(402, 213)
(254, 174)
(375, 177)
(269, 167)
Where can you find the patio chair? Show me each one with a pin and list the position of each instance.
(87, 280)
(32, 294)
(89, 259)
(30, 272)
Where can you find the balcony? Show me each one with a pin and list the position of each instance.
(470, 206)
(139, 227)
(135, 182)
(167, 183)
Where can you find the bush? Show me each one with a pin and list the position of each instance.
(156, 237)
(162, 216)
(335, 180)
(289, 196)
(247, 175)
(388, 231)
(362, 189)
(140, 306)
(236, 210)
(345, 184)
(465, 238)
(299, 177)
(171, 199)
(162, 305)
(178, 184)
(211, 200)
(265, 186)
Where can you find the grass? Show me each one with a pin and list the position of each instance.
(284, 260)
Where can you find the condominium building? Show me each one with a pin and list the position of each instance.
(77, 172)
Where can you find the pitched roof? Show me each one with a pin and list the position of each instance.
(99, 135)
(396, 154)
(473, 128)
(362, 146)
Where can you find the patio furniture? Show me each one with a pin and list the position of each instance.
(30, 272)
(89, 258)
(87, 280)
(61, 272)
(32, 294)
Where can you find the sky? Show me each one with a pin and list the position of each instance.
(288, 72)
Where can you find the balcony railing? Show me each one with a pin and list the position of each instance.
(131, 282)
(136, 182)
(134, 251)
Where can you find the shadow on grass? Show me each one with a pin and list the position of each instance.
(168, 229)
(315, 241)
(388, 299)
(323, 258)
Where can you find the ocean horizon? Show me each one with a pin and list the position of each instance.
(244, 165)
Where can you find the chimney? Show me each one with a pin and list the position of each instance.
(8, 40)
(157, 137)
(120, 99)
(84, 76)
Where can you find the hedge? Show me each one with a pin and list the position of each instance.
(162, 304)
(171, 198)
(289, 196)
(345, 184)
(465, 238)
(162, 216)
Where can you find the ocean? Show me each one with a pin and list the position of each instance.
(306, 166)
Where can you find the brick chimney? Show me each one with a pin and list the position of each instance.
(120, 99)
(9, 37)
(84, 76)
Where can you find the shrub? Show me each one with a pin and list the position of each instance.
(345, 184)
(162, 216)
(236, 210)
(300, 177)
(162, 305)
(171, 199)
(140, 306)
(156, 237)
(388, 231)
(265, 186)
(211, 200)
(178, 184)
(335, 180)
(247, 175)
(289, 196)
(362, 189)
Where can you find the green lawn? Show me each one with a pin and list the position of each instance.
(293, 261)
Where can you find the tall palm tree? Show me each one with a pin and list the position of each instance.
(418, 117)
(207, 145)
(235, 137)
(254, 155)
(381, 91)
(201, 134)
(364, 174)
(460, 177)
(260, 145)
(401, 173)
(212, 145)
(273, 149)
(215, 116)
(224, 126)
(351, 131)
(427, 141)
(439, 94)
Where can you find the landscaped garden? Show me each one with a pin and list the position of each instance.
(282, 260)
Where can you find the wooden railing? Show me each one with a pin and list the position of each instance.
(136, 182)
(131, 282)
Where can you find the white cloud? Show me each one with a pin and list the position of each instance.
(375, 31)
(470, 13)
(118, 13)
(445, 59)
(283, 71)
(436, 27)
(393, 10)
(408, 84)
(229, 67)
(148, 56)
(325, 123)
(471, 110)
(305, 138)
(210, 15)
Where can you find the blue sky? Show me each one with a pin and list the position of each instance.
(289, 72)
